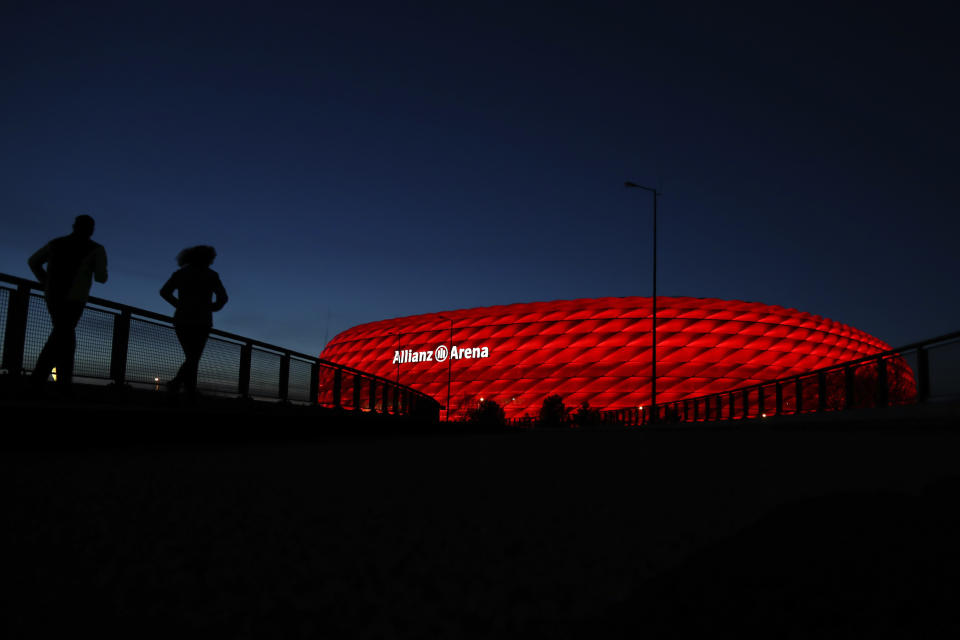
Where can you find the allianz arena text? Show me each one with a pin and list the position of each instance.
(598, 350)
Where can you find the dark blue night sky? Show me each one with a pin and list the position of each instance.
(385, 159)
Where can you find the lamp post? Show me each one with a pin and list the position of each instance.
(653, 375)
(449, 363)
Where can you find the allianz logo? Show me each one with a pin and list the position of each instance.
(439, 354)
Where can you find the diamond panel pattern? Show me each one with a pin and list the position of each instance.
(598, 350)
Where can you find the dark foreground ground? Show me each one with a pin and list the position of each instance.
(801, 532)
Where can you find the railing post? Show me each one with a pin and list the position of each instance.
(357, 383)
(373, 395)
(848, 387)
(120, 347)
(246, 356)
(883, 396)
(746, 404)
(696, 409)
(821, 392)
(761, 410)
(779, 392)
(799, 394)
(15, 336)
(284, 386)
(396, 401)
(337, 388)
(314, 388)
(923, 375)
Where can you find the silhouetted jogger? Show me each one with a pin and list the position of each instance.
(73, 262)
(199, 294)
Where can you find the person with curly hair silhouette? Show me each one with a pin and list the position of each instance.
(199, 294)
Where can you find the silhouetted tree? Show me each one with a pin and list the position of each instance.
(487, 414)
(586, 417)
(552, 412)
(671, 415)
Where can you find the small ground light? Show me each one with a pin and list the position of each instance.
(157, 381)
(53, 374)
(763, 415)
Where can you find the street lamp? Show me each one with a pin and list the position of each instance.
(653, 376)
(449, 363)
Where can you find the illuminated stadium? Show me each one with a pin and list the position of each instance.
(597, 350)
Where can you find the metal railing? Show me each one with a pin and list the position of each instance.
(125, 345)
(918, 373)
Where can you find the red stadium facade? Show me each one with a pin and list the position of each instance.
(597, 350)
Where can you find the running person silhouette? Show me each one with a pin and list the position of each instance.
(73, 262)
(199, 294)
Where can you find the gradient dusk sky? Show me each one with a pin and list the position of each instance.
(359, 161)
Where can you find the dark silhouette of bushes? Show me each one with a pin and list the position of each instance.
(586, 417)
(553, 414)
(671, 415)
(488, 414)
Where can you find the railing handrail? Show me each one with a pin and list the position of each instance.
(824, 370)
(251, 342)
(153, 315)
(756, 389)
